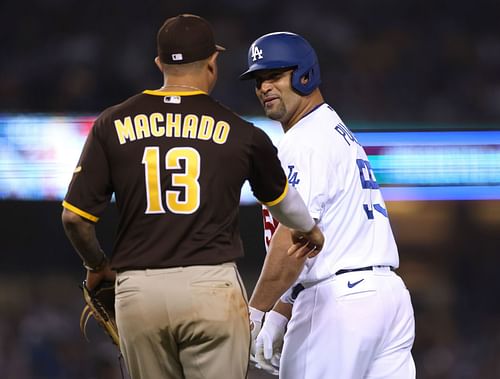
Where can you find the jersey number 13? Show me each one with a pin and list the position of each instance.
(186, 181)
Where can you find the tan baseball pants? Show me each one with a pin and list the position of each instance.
(187, 322)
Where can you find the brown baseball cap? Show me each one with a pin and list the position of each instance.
(186, 38)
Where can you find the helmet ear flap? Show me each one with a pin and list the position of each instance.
(313, 79)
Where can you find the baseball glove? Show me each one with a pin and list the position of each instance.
(100, 303)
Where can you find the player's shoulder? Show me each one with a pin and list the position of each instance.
(317, 134)
(328, 126)
(229, 113)
(244, 129)
(116, 109)
(316, 126)
(325, 116)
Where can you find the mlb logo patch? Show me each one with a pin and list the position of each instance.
(177, 57)
(172, 99)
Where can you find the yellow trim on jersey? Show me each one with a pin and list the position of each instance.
(279, 199)
(79, 212)
(173, 93)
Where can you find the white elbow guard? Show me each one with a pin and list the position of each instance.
(292, 212)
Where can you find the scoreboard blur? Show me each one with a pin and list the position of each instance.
(38, 154)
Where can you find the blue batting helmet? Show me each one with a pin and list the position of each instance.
(285, 50)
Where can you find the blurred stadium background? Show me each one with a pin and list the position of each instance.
(418, 82)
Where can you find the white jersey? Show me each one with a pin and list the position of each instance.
(331, 171)
(363, 318)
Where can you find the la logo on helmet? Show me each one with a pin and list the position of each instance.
(256, 53)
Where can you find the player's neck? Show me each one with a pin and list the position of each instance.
(180, 88)
(311, 102)
(183, 84)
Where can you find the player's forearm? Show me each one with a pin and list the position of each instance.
(279, 272)
(83, 238)
(267, 292)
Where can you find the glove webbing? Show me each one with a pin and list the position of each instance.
(98, 311)
(91, 308)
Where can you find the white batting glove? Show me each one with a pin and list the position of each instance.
(270, 342)
(256, 319)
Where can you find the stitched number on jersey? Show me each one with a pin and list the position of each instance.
(270, 225)
(187, 180)
(151, 161)
(369, 183)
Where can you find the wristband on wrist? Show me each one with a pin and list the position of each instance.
(256, 314)
(99, 267)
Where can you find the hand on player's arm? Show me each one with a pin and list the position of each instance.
(306, 244)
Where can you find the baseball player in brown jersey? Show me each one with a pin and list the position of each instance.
(176, 160)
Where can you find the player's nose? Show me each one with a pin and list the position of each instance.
(265, 86)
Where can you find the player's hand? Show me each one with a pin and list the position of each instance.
(256, 318)
(306, 244)
(270, 342)
(94, 278)
(270, 366)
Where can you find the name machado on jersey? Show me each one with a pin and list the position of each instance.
(169, 125)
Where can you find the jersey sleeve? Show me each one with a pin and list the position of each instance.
(90, 189)
(267, 179)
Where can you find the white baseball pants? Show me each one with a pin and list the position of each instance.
(353, 326)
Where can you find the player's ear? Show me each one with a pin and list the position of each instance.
(158, 64)
(212, 62)
(304, 79)
(212, 71)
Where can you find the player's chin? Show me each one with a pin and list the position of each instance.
(272, 112)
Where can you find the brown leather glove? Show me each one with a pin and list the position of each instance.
(100, 303)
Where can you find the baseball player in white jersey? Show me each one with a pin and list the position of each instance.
(352, 315)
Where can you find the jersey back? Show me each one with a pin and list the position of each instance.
(176, 163)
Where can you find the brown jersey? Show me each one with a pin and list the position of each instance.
(176, 163)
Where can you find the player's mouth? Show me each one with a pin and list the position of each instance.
(269, 101)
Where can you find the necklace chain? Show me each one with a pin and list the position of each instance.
(181, 86)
